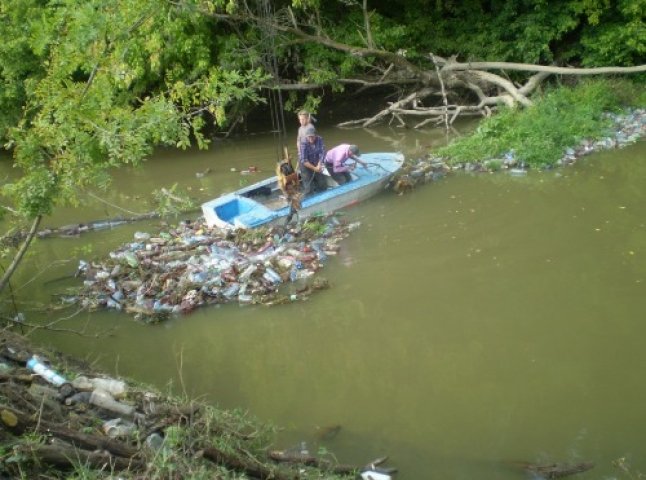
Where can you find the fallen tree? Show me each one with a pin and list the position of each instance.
(429, 89)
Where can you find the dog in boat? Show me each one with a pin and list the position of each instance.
(288, 182)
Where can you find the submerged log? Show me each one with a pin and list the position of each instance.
(312, 461)
(555, 470)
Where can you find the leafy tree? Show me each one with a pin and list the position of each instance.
(95, 84)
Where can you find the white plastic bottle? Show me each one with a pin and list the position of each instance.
(44, 371)
(116, 388)
(103, 399)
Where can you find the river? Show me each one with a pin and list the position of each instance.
(480, 320)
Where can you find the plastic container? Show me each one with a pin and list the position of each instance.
(245, 299)
(373, 475)
(272, 276)
(118, 428)
(103, 399)
(248, 272)
(78, 398)
(44, 371)
(154, 441)
(116, 388)
(82, 383)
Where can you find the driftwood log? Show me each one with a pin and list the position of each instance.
(18, 423)
(312, 461)
(65, 457)
(243, 463)
(555, 470)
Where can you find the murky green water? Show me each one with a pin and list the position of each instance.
(478, 321)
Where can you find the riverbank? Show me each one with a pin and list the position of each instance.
(564, 124)
(62, 419)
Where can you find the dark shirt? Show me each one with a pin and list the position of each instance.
(312, 152)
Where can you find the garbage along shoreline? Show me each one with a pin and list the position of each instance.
(192, 265)
(63, 419)
(627, 128)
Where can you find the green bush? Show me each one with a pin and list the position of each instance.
(560, 118)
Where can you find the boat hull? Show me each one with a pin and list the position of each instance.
(262, 203)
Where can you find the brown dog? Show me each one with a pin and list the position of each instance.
(288, 182)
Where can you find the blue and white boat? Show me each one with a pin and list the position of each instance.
(263, 203)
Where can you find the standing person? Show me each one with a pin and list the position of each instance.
(311, 159)
(305, 119)
(335, 160)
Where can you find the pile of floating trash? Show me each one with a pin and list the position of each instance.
(192, 265)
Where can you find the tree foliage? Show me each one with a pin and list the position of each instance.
(97, 84)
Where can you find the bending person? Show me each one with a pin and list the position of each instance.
(311, 158)
(335, 161)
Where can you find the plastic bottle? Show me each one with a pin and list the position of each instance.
(374, 475)
(116, 388)
(320, 253)
(303, 449)
(44, 371)
(103, 399)
(82, 383)
(118, 427)
(248, 272)
(272, 275)
(232, 290)
(245, 298)
(154, 441)
(78, 398)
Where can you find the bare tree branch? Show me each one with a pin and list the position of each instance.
(23, 249)
(528, 67)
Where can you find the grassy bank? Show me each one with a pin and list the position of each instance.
(50, 432)
(561, 117)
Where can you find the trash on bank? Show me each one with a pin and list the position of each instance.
(626, 128)
(192, 265)
(118, 428)
(45, 372)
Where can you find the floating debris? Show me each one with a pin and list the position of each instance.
(193, 265)
(419, 172)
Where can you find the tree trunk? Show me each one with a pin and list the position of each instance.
(4, 281)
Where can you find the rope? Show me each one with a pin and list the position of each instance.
(276, 105)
